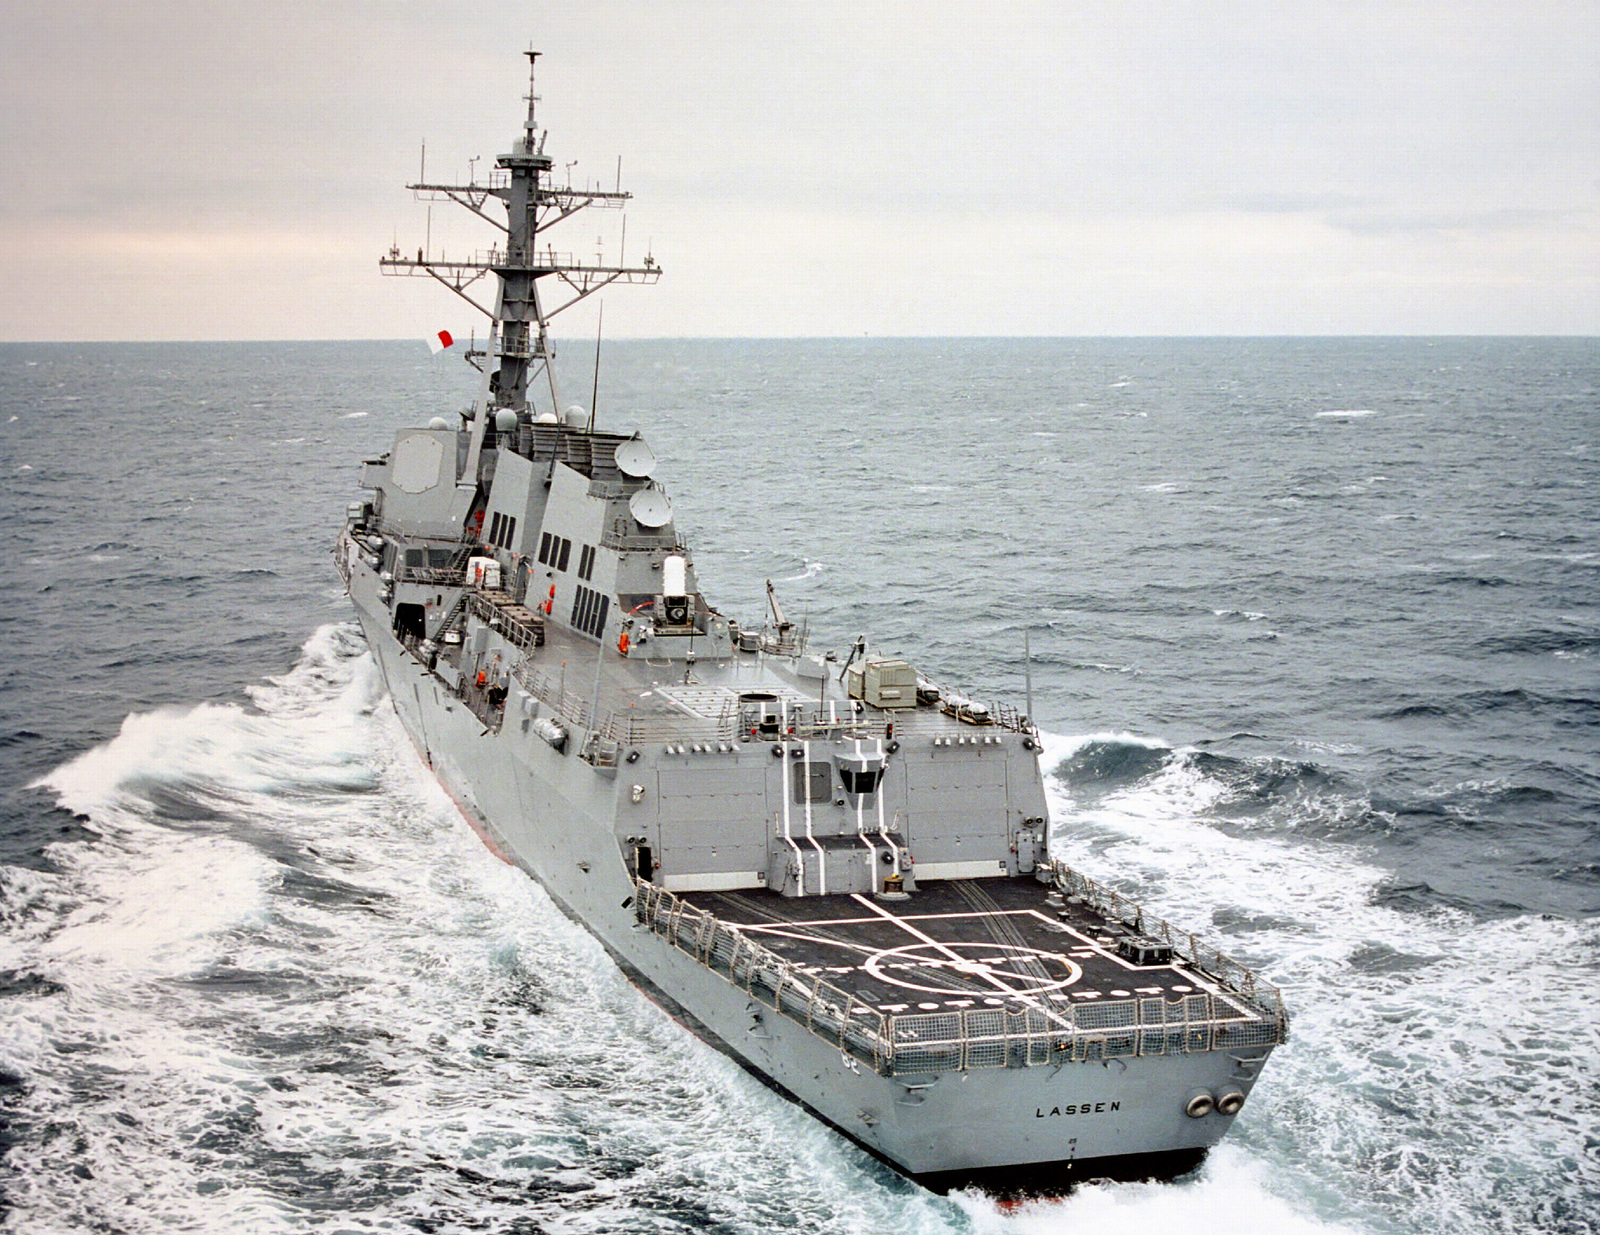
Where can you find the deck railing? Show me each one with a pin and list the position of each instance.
(1200, 955)
(1022, 1033)
(828, 1011)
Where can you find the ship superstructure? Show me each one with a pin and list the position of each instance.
(829, 866)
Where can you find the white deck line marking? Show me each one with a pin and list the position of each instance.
(788, 930)
(788, 832)
(910, 917)
(1100, 948)
(861, 826)
(783, 932)
(932, 942)
(822, 856)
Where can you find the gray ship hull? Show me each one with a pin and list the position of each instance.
(834, 869)
(554, 818)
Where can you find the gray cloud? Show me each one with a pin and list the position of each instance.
(1302, 159)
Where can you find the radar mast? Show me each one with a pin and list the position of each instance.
(519, 346)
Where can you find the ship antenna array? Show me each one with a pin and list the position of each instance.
(518, 341)
(1027, 672)
(594, 396)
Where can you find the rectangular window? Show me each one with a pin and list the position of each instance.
(861, 782)
(494, 528)
(589, 609)
(508, 531)
(811, 782)
(586, 563)
(566, 552)
(544, 549)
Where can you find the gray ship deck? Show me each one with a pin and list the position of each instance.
(642, 700)
(953, 946)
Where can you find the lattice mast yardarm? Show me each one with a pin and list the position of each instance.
(519, 347)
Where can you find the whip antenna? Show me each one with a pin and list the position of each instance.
(594, 395)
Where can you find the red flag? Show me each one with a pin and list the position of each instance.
(438, 342)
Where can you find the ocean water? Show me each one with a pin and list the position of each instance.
(1315, 636)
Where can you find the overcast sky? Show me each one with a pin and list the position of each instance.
(194, 170)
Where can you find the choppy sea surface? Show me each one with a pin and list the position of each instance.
(1315, 636)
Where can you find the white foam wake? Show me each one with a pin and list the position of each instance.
(283, 987)
(1434, 1074)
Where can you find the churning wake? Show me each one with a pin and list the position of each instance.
(282, 987)
(1439, 1071)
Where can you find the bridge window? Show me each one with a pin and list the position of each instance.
(554, 551)
(861, 782)
(589, 609)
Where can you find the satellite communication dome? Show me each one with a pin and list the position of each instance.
(438, 422)
(505, 420)
(577, 417)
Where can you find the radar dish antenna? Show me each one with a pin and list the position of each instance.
(650, 508)
(635, 460)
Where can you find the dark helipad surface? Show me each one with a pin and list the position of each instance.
(952, 945)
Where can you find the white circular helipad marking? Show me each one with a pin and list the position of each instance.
(947, 969)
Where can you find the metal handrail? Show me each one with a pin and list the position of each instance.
(1020, 1033)
(1228, 972)
(435, 576)
(525, 633)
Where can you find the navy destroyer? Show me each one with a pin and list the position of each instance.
(829, 866)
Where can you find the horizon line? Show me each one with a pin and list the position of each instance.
(841, 338)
